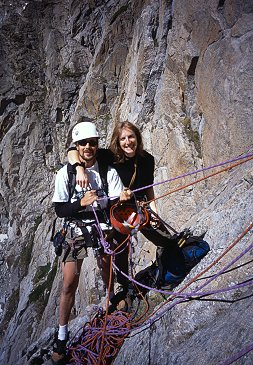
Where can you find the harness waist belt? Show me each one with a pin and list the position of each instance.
(88, 216)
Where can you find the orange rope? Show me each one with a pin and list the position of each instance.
(106, 313)
(199, 180)
(97, 347)
(238, 239)
(110, 344)
(102, 349)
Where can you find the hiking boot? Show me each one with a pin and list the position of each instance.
(121, 301)
(59, 356)
(125, 305)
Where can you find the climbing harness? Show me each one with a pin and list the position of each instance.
(93, 343)
(59, 239)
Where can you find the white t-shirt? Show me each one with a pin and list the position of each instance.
(115, 187)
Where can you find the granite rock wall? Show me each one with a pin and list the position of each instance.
(182, 72)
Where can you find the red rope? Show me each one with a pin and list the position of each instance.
(104, 335)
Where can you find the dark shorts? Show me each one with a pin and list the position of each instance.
(74, 250)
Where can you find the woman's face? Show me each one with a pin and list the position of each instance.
(128, 142)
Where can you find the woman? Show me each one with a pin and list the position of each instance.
(135, 167)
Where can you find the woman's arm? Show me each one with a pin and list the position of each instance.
(81, 175)
(154, 220)
(150, 195)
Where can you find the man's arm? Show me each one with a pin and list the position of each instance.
(64, 210)
(116, 187)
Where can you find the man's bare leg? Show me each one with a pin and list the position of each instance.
(71, 273)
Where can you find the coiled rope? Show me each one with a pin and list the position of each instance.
(102, 338)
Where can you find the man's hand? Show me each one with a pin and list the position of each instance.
(125, 195)
(89, 197)
(81, 177)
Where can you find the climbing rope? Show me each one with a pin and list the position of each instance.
(196, 277)
(100, 340)
(238, 355)
(186, 295)
(199, 180)
(102, 337)
(246, 157)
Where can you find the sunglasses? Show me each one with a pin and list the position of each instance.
(91, 142)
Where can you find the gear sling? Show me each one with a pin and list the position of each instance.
(91, 238)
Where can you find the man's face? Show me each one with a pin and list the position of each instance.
(87, 149)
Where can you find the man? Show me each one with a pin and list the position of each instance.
(81, 223)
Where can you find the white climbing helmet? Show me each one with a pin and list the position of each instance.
(84, 130)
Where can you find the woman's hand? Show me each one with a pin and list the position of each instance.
(154, 221)
(125, 195)
(82, 177)
(89, 197)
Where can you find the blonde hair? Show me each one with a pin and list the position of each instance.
(115, 145)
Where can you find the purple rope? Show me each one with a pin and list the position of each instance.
(189, 295)
(88, 338)
(239, 354)
(159, 314)
(183, 296)
(104, 243)
(119, 252)
(112, 331)
(192, 173)
(196, 171)
(226, 267)
(195, 292)
(179, 294)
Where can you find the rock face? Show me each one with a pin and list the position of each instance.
(182, 72)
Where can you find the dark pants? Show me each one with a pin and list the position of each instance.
(161, 238)
(121, 257)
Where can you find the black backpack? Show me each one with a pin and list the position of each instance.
(158, 276)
